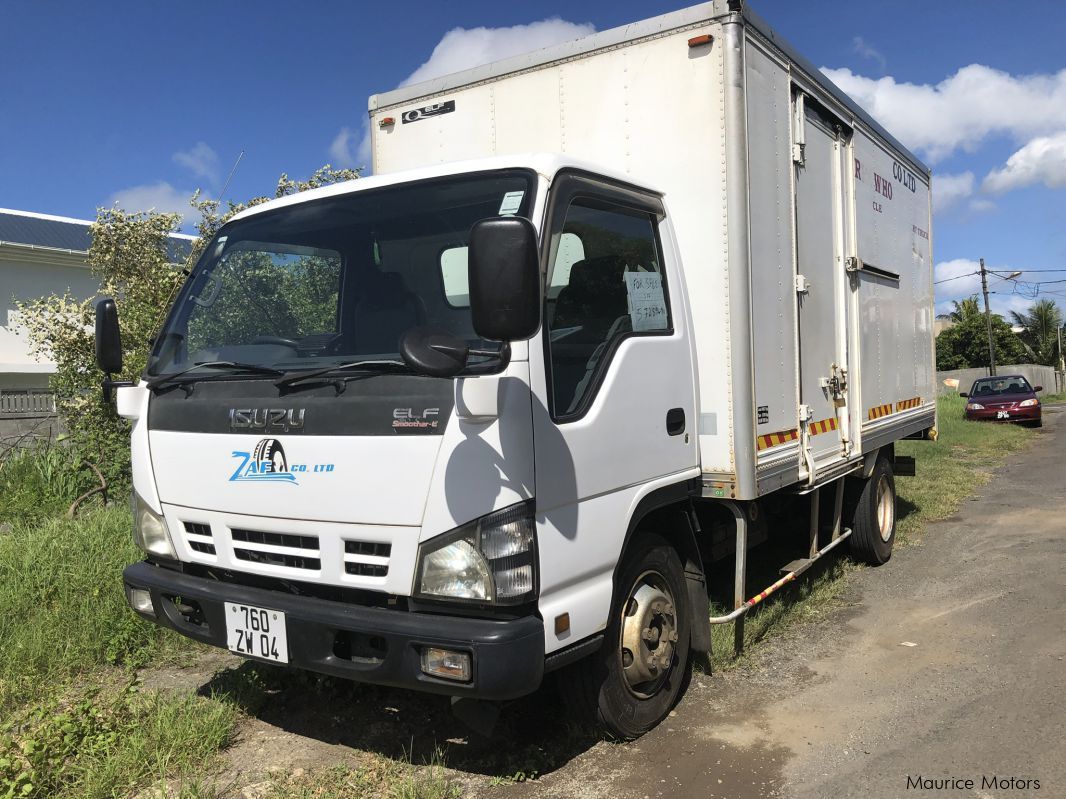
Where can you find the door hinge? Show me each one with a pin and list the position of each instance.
(805, 413)
(802, 284)
(798, 154)
(852, 264)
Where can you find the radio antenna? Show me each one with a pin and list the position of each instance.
(225, 186)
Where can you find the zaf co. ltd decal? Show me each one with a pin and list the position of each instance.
(267, 464)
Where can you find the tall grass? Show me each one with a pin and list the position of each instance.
(62, 608)
(40, 481)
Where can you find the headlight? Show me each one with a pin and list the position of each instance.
(150, 531)
(974, 406)
(1029, 403)
(492, 559)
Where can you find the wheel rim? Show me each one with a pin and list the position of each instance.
(649, 634)
(886, 508)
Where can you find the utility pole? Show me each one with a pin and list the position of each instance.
(988, 321)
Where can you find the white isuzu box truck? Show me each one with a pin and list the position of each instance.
(600, 312)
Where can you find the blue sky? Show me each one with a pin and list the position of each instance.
(144, 102)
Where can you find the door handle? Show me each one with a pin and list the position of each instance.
(675, 421)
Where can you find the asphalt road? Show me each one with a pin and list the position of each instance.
(948, 663)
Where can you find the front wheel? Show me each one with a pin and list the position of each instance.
(634, 680)
(874, 520)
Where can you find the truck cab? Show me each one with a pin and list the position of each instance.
(400, 429)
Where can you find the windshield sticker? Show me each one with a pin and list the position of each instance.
(647, 305)
(512, 201)
(267, 464)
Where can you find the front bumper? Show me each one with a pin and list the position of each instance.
(373, 645)
(1028, 414)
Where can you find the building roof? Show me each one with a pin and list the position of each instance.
(63, 233)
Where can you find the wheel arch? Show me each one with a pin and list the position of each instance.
(667, 512)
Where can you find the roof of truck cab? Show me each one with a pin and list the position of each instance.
(547, 165)
(614, 37)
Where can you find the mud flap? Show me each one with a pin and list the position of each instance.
(699, 603)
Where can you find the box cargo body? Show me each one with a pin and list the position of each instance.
(803, 227)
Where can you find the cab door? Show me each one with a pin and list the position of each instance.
(613, 389)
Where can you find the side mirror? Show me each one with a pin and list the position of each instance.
(433, 353)
(962, 393)
(504, 272)
(1037, 388)
(108, 343)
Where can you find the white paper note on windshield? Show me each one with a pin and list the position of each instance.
(647, 305)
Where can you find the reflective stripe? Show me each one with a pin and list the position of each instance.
(776, 439)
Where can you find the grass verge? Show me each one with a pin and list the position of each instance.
(947, 472)
(62, 609)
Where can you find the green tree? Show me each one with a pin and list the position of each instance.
(964, 309)
(965, 344)
(132, 257)
(1040, 333)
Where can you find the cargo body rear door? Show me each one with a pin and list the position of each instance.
(821, 282)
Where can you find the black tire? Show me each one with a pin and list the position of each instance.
(597, 688)
(270, 456)
(1038, 422)
(874, 515)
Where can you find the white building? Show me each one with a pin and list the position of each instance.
(39, 255)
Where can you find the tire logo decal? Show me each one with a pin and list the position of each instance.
(267, 464)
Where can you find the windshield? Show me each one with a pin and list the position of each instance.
(996, 386)
(336, 280)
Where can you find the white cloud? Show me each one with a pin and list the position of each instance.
(1042, 160)
(861, 47)
(964, 109)
(340, 150)
(961, 278)
(981, 205)
(465, 48)
(949, 190)
(161, 197)
(201, 160)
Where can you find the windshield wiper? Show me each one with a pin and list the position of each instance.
(379, 366)
(232, 366)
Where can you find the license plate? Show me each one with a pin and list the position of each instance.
(1002, 414)
(256, 632)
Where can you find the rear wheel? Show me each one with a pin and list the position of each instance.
(874, 518)
(634, 680)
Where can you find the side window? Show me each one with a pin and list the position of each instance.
(453, 273)
(605, 283)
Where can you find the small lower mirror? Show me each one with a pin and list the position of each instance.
(433, 353)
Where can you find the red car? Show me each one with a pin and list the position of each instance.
(1004, 398)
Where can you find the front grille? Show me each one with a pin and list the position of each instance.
(288, 550)
(366, 569)
(374, 548)
(277, 559)
(367, 558)
(199, 537)
(275, 539)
